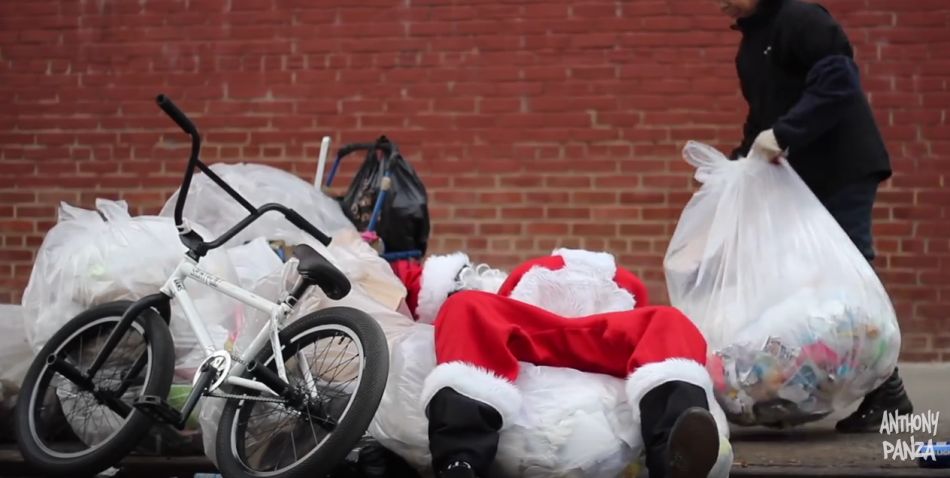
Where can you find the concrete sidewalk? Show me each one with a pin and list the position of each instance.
(817, 450)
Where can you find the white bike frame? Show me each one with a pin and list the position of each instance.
(278, 312)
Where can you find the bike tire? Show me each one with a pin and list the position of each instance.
(160, 371)
(353, 424)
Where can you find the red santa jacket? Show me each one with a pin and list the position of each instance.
(570, 282)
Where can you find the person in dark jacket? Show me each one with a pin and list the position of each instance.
(797, 73)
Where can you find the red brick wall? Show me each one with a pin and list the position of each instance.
(534, 124)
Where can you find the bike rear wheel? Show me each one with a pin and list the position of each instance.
(65, 428)
(277, 439)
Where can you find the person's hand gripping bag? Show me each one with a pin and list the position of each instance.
(797, 321)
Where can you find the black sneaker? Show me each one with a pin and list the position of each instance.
(693, 446)
(890, 397)
(458, 469)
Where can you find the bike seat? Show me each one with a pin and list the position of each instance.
(316, 270)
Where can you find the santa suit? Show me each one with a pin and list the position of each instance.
(573, 309)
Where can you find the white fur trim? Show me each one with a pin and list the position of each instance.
(652, 375)
(584, 286)
(483, 278)
(602, 263)
(438, 281)
(476, 383)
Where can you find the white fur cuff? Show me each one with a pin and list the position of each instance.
(476, 383)
(602, 262)
(438, 281)
(652, 375)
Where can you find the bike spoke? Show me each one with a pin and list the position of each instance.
(267, 434)
(133, 373)
(93, 416)
(313, 431)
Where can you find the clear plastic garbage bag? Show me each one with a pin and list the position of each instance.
(211, 207)
(92, 257)
(254, 261)
(798, 323)
(15, 358)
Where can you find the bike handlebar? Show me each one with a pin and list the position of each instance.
(305, 225)
(288, 213)
(384, 145)
(176, 115)
(191, 239)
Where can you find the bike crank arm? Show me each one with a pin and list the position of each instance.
(208, 374)
(159, 410)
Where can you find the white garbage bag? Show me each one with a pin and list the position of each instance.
(573, 424)
(254, 261)
(15, 358)
(211, 207)
(798, 323)
(93, 257)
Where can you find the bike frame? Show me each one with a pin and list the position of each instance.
(175, 287)
(219, 367)
(277, 312)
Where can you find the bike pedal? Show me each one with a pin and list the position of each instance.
(159, 410)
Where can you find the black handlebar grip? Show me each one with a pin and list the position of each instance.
(383, 144)
(303, 224)
(351, 148)
(176, 114)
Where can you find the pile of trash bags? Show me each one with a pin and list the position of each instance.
(798, 323)
(92, 257)
(578, 424)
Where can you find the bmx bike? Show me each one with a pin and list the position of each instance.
(284, 416)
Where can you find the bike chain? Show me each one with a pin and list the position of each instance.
(245, 397)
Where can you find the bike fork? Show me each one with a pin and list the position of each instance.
(158, 301)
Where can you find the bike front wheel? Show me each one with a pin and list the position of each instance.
(72, 425)
(337, 362)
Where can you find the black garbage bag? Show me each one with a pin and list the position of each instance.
(403, 223)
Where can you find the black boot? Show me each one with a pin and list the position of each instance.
(679, 433)
(463, 435)
(890, 397)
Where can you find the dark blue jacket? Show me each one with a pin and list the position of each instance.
(799, 78)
